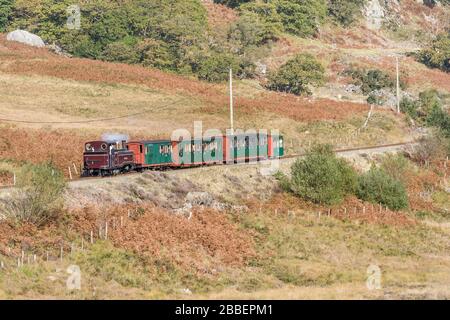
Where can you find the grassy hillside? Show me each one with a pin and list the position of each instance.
(249, 238)
(280, 247)
(64, 95)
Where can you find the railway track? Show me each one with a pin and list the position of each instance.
(292, 156)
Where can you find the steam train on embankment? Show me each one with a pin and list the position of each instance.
(104, 158)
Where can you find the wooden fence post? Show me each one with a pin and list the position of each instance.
(75, 169)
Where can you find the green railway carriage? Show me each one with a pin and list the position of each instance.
(237, 148)
(152, 153)
(263, 148)
(276, 146)
(246, 147)
(198, 152)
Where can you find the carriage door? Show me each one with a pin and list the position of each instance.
(150, 154)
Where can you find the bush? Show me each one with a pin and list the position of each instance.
(428, 110)
(6, 7)
(267, 13)
(216, 68)
(409, 107)
(298, 17)
(345, 12)
(396, 166)
(297, 75)
(376, 186)
(120, 52)
(155, 53)
(39, 196)
(371, 80)
(231, 3)
(301, 17)
(430, 148)
(437, 55)
(249, 30)
(321, 177)
(376, 98)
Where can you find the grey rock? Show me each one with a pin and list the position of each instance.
(25, 37)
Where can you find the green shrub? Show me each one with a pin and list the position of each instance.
(216, 68)
(301, 17)
(437, 55)
(298, 17)
(231, 3)
(440, 119)
(120, 52)
(321, 177)
(428, 100)
(249, 30)
(371, 80)
(376, 99)
(6, 7)
(409, 107)
(428, 110)
(396, 166)
(376, 186)
(155, 53)
(39, 196)
(267, 13)
(297, 75)
(345, 12)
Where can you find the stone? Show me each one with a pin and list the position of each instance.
(25, 37)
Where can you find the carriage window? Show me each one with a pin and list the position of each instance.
(164, 149)
(140, 148)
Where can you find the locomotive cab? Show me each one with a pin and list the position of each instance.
(106, 157)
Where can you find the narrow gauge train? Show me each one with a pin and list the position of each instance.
(103, 158)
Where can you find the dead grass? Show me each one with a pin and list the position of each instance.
(219, 16)
(213, 97)
(63, 148)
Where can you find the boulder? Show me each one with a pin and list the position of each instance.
(25, 37)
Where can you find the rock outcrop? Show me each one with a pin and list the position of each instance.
(25, 37)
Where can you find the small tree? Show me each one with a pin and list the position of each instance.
(267, 13)
(216, 67)
(6, 7)
(39, 195)
(297, 75)
(301, 17)
(437, 55)
(409, 107)
(376, 186)
(321, 177)
(345, 12)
